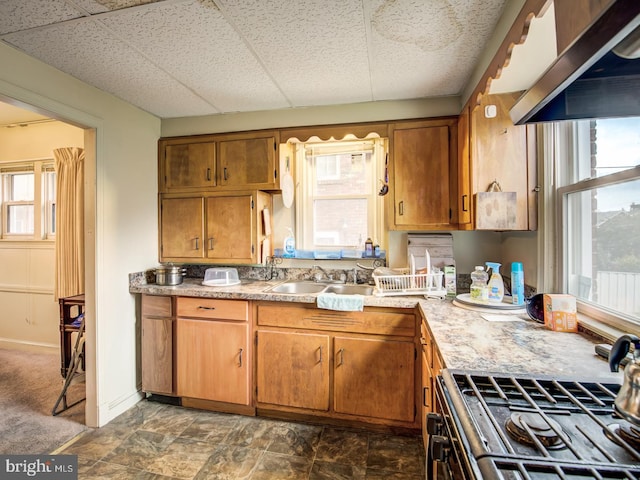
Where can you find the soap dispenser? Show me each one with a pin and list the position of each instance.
(496, 285)
(289, 247)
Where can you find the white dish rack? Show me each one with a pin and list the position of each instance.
(430, 284)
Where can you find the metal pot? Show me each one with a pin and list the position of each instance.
(169, 275)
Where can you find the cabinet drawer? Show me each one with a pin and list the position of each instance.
(377, 322)
(213, 308)
(156, 306)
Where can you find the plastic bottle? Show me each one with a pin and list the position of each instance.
(517, 283)
(289, 247)
(368, 248)
(496, 285)
(479, 287)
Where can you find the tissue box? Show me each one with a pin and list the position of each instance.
(560, 312)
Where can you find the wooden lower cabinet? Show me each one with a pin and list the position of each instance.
(374, 378)
(293, 369)
(212, 357)
(157, 345)
(320, 363)
(212, 362)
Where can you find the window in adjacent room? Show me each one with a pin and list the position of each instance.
(339, 206)
(599, 210)
(28, 200)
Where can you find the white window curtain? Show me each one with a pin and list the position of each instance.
(69, 165)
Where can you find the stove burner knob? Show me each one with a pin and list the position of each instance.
(440, 447)
(434, 423)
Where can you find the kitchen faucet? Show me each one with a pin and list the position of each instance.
(318, 277)
(329, 276)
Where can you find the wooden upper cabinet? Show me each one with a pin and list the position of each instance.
(218, 162)
(248, 162)
(181, 228)
(230, 227)
(423, 160)
(186, 165)
(224, 227)
(505, 153)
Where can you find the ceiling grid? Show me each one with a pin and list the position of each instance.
(182, 58)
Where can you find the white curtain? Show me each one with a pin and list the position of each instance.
(69, 165)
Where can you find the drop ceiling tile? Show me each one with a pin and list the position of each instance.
(18, 15)
(422, 57)
(99, 6)
(197, 46)
(87, 51)
(315, 51)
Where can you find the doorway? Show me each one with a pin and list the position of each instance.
(32, 295)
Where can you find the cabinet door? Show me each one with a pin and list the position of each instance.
(374, 378)
(293, 369)
(421, 166)
(230, 228)
(182, 228)
(502, 152)
(213, 360)
(190, 165)
(247, 162)
(157, 355)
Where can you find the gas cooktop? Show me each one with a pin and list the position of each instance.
(538, 427)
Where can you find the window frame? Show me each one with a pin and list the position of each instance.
(560, 140)
(306, 197)
(42, 211)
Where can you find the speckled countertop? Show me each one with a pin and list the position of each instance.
(465, 339)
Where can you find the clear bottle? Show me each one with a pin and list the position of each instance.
(496, 285)
(479, 288)
(289, 247)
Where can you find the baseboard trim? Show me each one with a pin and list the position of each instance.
(29, 346)
(108, 412)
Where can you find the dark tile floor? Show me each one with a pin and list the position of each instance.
(154, 441)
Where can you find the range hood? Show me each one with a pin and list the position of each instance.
(597, 76)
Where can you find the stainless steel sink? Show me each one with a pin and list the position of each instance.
(350, 289)
(301, 287)
(294, 287)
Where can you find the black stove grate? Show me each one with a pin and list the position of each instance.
(570, 427)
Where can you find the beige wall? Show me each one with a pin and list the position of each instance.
(30, 316)
(121, 232)
(38, 141)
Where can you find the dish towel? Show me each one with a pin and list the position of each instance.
(344, 303)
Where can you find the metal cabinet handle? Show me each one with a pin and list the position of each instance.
(224, 171)
(206, 308)
(210, 243)
(240, 358)
(464, 203)
(341, 354)
(208, 174)
(401, 208)
(197, 241)
(320, 348)
(424, 396)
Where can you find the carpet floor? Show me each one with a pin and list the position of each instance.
(30, 384)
